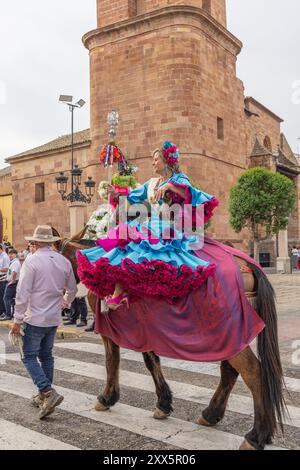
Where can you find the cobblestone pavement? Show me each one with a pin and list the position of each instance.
(287, 289)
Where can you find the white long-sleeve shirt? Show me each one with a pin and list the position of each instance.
(40, 293)
(4, 264)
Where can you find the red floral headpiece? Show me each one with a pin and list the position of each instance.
(171, 153)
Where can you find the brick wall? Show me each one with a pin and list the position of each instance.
(27, 214)
(261, 127)
(5, 184)
(112, 11)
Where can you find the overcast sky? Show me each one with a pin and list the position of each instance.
(41, 56)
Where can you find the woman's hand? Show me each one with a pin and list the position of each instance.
(161, 192)
(111, 190)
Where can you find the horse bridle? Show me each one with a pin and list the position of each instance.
(64, 245)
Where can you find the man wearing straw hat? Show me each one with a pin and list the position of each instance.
(46, 284)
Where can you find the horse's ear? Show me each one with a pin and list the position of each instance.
(55, 232)
(79, 235)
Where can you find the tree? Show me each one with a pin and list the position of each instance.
(261, 201)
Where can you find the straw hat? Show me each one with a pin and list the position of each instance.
(43, 234)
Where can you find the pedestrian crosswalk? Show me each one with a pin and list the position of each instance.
(16, 437)
(131, 415)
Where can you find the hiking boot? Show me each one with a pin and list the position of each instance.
(51, 400)
(37, 400)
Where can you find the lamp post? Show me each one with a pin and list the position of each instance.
(76, 194)
(77, 200)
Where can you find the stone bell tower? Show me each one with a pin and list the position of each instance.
(169, 67)
(110, 11)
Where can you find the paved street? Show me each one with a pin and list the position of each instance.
(80, 372)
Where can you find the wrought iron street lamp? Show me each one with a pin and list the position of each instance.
(76, 194)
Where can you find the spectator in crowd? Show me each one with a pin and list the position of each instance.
(7, 246)
(12, 279)
(45, 277)
(79, 308)
(294, 253)
(90, 328)
(298, 264)
(4, 265)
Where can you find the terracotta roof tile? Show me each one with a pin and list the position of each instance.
(5, 171)
(57, 144)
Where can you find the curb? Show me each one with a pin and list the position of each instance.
(62, 333)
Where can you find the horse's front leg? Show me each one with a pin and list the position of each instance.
(111, 393)
(164, 403)
(214, 413)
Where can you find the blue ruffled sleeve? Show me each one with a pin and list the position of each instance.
(139, 194)
(194, 196)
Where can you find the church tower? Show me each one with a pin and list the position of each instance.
(169, 67)
(110, 11)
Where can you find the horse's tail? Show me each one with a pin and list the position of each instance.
(268, 353)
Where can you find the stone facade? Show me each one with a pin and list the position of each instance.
(169, 67)
(113, 11)
(39, 167)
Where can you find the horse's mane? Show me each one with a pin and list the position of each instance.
(89, 243)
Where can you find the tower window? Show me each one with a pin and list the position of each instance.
(40, 192)
(220, 128)
(206, 5)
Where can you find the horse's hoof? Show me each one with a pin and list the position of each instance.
(100, 407)
(159, 414)
(202, 422)
(246, 446)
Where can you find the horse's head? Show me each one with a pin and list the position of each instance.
(68, 247)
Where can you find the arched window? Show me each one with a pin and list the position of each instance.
(267, 143)
(206, 5)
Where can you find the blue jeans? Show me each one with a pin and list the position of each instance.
(2, 290)
(38, 344)
(9, 299)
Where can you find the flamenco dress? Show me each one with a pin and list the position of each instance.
(154, 258)
(185, 302)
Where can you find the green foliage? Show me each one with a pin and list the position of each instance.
(124, 181)
(263, 202)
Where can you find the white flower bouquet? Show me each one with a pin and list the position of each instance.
(102, 190)
(97, 226)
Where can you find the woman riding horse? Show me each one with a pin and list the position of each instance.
(168, 298)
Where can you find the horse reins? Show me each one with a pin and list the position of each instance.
(64, 244)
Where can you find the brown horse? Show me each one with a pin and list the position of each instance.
(263, 376)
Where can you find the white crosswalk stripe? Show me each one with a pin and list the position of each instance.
(16, 437)
(237, 403)
(173, 431)
(124, 417)
(209, 368)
